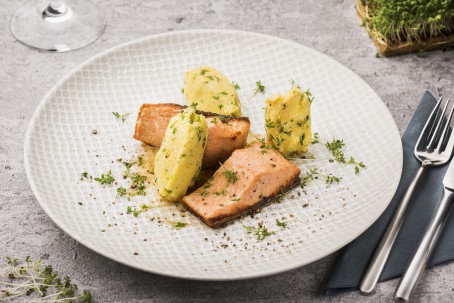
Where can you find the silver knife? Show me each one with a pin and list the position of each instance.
(414, 271)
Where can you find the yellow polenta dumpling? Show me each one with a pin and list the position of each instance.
(179, 158)
(288, 121)
(208, 90)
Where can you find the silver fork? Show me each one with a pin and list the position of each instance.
(431, 149)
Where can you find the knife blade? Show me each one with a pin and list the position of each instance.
(413, 273)
(448, 180)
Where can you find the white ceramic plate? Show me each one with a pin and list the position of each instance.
(320, 218)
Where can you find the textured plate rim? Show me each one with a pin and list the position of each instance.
(282, 269)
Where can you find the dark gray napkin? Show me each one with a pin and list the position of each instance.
(354, 258)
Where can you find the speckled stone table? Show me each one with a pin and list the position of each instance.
(330, 27)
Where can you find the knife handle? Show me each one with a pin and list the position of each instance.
(417, 265)
(381, 253)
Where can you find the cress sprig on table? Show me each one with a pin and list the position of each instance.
(408, 20)
(40, 283)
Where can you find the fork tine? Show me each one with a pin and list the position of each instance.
(434, 116)
(429, 124)
(437, 128)
(445, 130)
(450, 145)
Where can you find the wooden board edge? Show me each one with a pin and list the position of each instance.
(401, 48)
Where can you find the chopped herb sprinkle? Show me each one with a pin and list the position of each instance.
(179, 225)
(269, 123)
(301, 139)
(85, 176)
(131, 210)
(208, 183)
(309, 95)
(280, 196)
(292, 82)
(224, 119)
(331, 179)
(230, 176)
(281, 223)
(315, 139)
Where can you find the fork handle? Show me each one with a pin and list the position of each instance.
(381, 254)
(414, 271)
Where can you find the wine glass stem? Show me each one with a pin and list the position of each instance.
(57, 11)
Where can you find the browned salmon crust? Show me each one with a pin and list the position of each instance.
(261, 173)
(225, 133)
(220, 221)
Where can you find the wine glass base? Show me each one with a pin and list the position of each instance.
(57, 28)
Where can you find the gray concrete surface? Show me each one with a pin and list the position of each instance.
(330, 27)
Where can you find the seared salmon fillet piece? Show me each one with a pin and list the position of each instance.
(225, 133)
(249, 179)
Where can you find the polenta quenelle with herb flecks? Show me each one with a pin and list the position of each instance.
(208, 90)
(178, 161)
(288, 121)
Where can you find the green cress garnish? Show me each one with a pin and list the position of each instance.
(38, 282)
(121, 117)
(260, 231)
(331, 179)
(106, 178)
(260, 88)
(309, 177)
(335, 148)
